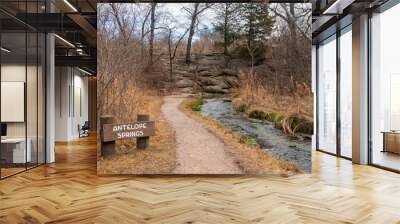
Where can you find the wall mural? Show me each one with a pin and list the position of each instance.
(201, 88)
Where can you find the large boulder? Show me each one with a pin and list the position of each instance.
(205, 73)
(186, 90)
(214, 89)
(183, 73)
(207, 81)
(183, 83)
(223, 84)
(229, 72)
(232, 81)
(198, 68)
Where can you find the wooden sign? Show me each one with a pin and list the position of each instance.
(140, 129)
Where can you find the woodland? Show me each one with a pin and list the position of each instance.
(257, 55)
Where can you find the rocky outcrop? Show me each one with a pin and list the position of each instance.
(207, 73)
(184, 83)
(215, 89)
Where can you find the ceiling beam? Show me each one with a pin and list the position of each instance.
(76, 61)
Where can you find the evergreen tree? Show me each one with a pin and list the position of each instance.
(227, 23)
(257, 22)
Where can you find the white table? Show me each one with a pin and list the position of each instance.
(19, 153)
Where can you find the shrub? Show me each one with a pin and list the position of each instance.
(241, 107)
(297, 124)
(196, 105)
(242, 52)
(248, 140)
(258, 114)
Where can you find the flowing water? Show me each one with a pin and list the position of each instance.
(267, 136)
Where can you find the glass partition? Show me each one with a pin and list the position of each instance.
(327, 95)
(22, 88)
(13, 94)
(385, 89)
(346, 92)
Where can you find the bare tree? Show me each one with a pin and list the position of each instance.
(172, 49)
(152, 26)
(294, 21)
(125, 19)
(194, 13)
(296, 16)
(143, 32)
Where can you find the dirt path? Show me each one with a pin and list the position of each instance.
(198, 150)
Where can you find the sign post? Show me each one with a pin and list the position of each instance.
(141, 130)
(107, 148)
(142, 142)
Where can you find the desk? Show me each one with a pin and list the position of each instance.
(391, 141)
(13, 150)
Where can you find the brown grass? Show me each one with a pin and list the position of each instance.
(159, 158)
(296, 102)
(251, 158)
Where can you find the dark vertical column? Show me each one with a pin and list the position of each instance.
(142, 143)
(317, 97)
(26, 87)
(106, 148)
(338, 77)
(1, 158)
(92, 100)
(37, 90)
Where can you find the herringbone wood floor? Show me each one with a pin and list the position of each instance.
(69, 191)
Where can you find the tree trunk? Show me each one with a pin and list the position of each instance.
(152, 25)
(292, 27)
(226, 29)
(142, 49)
(191, 32)
(250, 34)
(170, 55)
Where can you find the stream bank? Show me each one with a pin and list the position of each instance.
(272, 140)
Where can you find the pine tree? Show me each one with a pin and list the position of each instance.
(227, 23)
(257, 22)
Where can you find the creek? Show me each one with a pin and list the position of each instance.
(271, 139)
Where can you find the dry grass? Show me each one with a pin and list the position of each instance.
(292, 108)
(251, 158)
(159, 158)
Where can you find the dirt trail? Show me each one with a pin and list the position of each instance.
(198, 150)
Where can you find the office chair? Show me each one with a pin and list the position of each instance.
(84, 130)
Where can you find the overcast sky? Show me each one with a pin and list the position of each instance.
(207, 18)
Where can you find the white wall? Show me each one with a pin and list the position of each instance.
(11, 73)
(33, 126)
(16, 73)
(71, 87)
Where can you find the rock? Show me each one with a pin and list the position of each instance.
(232, 81)
(192, 69)
(186, 90)
(184, 74)
(205, 73)
(209, 95)
(183, 83)
(229, 72)
(206, 81)
(214, 89)
(203, 69)
(221, 81)
(223, 85)
(210, 61)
